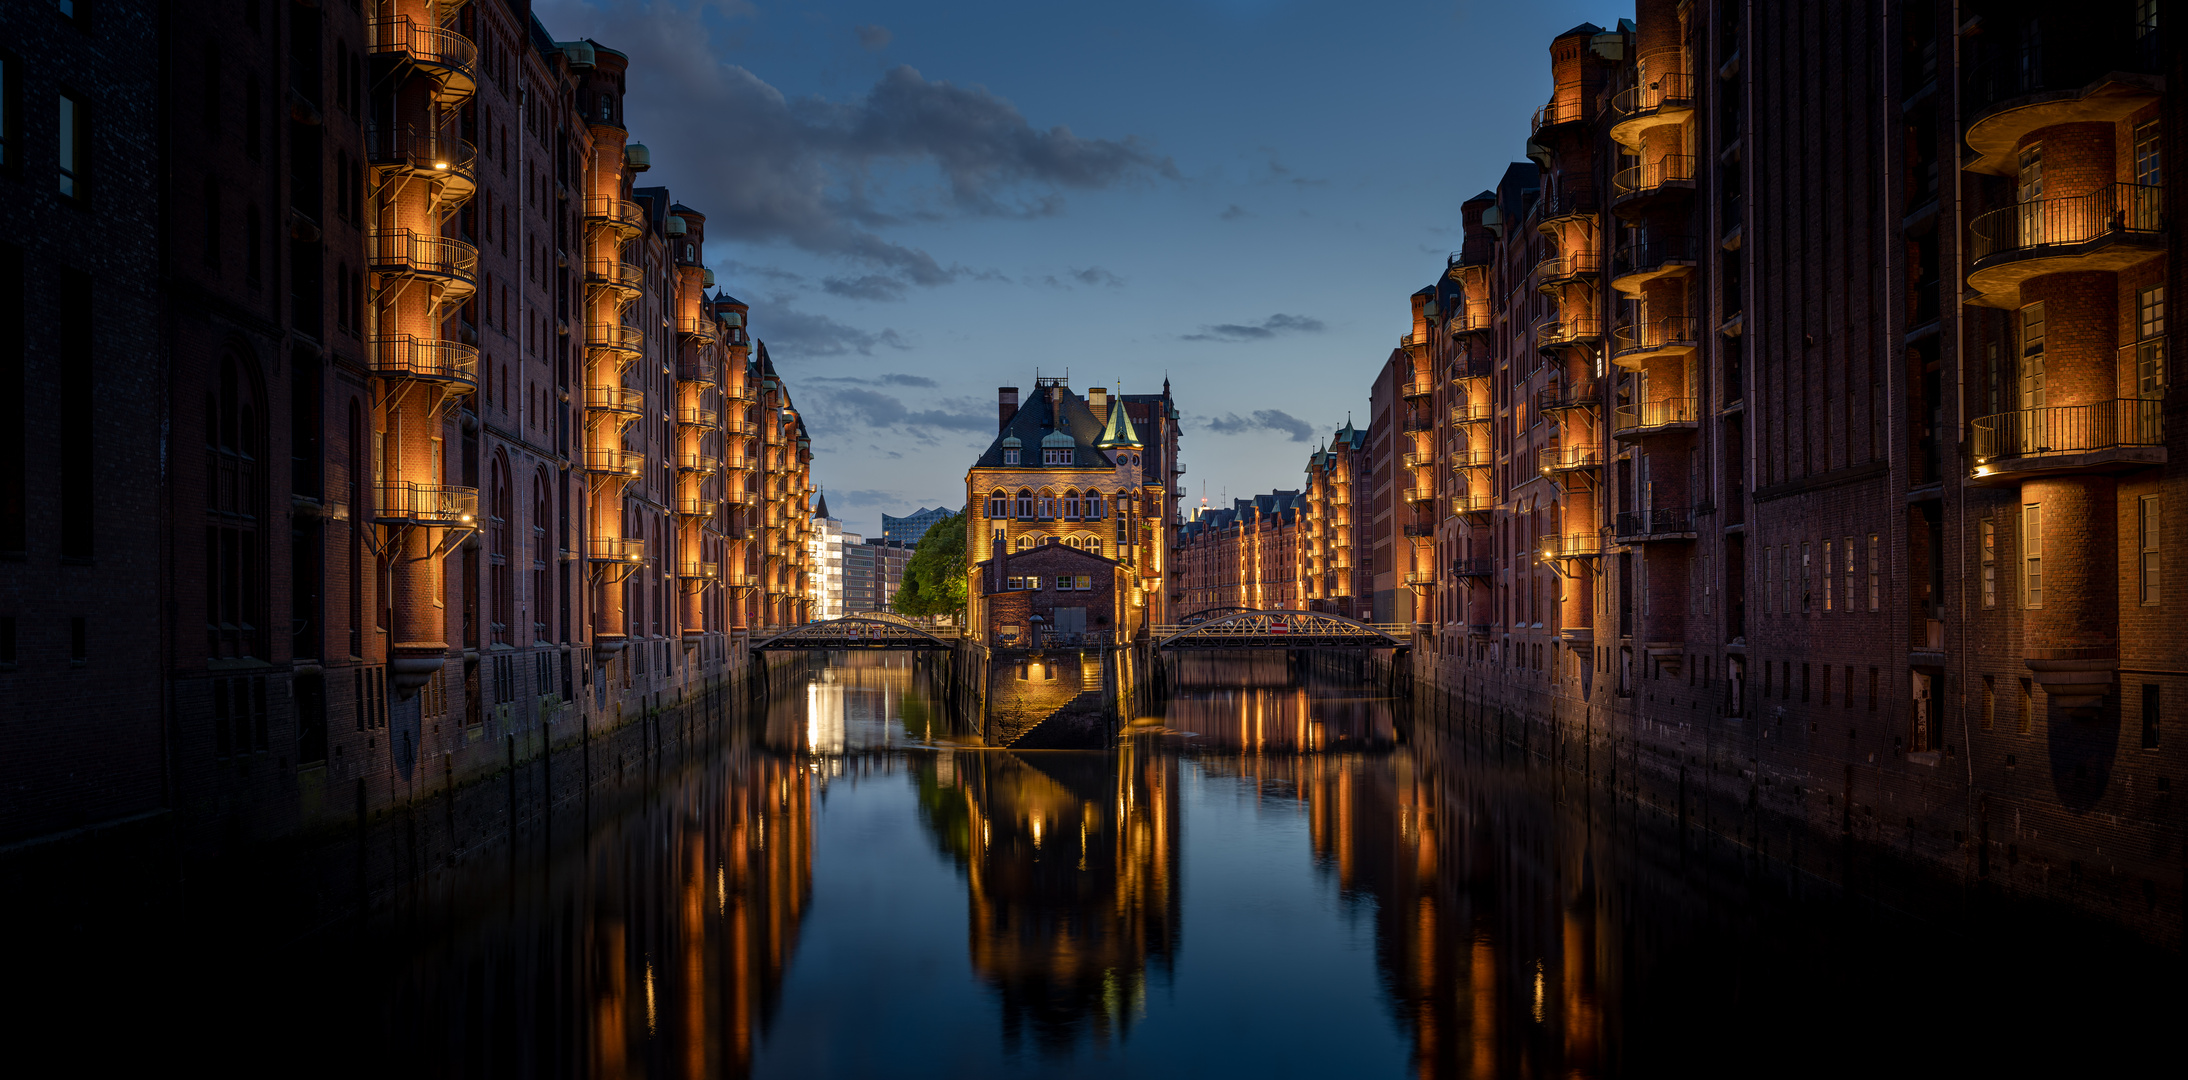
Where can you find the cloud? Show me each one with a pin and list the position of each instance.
(1266, 329)
(1235, 212)
(865, 287)
(868, 497)
(1279, 172)
(790, 332)
(877, 409)
(873, 38)
(1262, 420)
(892, 379)
(1095, 275)
(831, 176)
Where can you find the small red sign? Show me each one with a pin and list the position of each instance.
(1279, 627)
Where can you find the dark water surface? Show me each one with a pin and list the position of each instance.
(1280, 876)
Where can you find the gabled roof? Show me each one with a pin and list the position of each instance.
(1033, 424)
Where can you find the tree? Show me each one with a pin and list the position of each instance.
(934, 577)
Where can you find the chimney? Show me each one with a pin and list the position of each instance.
(1097, 399)
(1006, 406)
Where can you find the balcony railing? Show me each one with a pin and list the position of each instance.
(1417, 459)
(1560, 397)
(1557, 268)
(1472, 504)
(1569, 103)
(423, 152)
(401, 356)
(615, 337)
(738, 425)
(702, 326)
(1576, 546)
(450, 55)
(1663, 332)
(2038, 225)
(614, 461)
(1473, 567)
(695, 365)
(1567, 458)
(621, 215)
(425, 504)
(1465, 413)
(1418, 493)
(1569, 330)
(2068, 429)
(1420, 577)
(1652, 256)
(698, 571)
(424, 255)
(1656, 521)
(1417, 387)
(697, 462)
(1568, 200)
(624, 400)
(2071, 53)
(1650, 415)
(615, 274)
(1466, 457)
(616, 549)
(694, 507)
(1651, 176)
(705, 419)
(1417, 530)
(1670, 91)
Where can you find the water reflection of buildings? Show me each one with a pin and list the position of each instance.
(1260, 703)
(1071, 861)
(856, 704)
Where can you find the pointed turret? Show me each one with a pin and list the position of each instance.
(1119, 431)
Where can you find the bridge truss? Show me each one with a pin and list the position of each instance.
(865, 631)
(1283, 630)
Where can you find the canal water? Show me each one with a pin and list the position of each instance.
(1278, 874)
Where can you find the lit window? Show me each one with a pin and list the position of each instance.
(1827, 575)
(1876, 575)
(2032, 555)
(1988, 531)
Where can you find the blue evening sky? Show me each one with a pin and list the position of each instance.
(924, 201)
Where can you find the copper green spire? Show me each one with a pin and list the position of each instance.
(1119, 431)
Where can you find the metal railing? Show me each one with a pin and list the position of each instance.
(1655, 521)
(425, 152)
(698, 461)
(1473, 567)
(1654, 414)
(1417, 387)
(2072, 53)
(614, 460)
(698, 418)
(1473, 504)
(615, 274)
(1652, 254)
(1664, 91)
(695, 365)
(2115, 210)
(704, 571)
(1569, 103)
(425, 504)
(1469, 458)
(1567, 201)
(1551, 399)
(1565, 458)
(621, 549)
(1420, 577)
(417, 254)
(621, 214)
(1467, 413)
(1417, 459)
(427, 45)
(402, 356)
(694, 507)
(1415, 529)
(1579, 545)
(1657, 333)
(1568, 330)
(626, 400)
(615, 336)
(1555, 268)
(2069, 429)
(701, 326)
(1652, 175)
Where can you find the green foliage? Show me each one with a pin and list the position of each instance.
(934, 578)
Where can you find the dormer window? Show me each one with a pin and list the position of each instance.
(1055, 457)
(1010, 457)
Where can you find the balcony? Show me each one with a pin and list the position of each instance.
(430, 505)
(1419, 531)
(451, 364)
(2084, 67)
(701, 327)
(1661, 256)
(616, 276)
(1556, 270)
(702, 419)
(620, 216)
(1414, 388)
(1466, 457)
(1659, 102)
(450, 264)
(616, 549)
(629, 342)
(1419, 493)
(2109, 229)
(1562, 398)
(2109, 436)
(1655, 523)
(1418, 578)
(444, 56)
(1633, 189)
(1473, 567)
(698, 571)
(697, 462)
(1463, 414)
(693, 508)
(1577, 546)
(695, 365)
(425, 155)
(1417, 421)
(734, 424)
(1473, 505)
(1566, 203)
(1573, 329)
(1564, 459)
(1669, 336)
(624, 403)
(1570, 103)
(612, 461)
(1417, 459)
(1466, 322)
(1654, 417)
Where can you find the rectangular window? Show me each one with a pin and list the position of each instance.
(1876, 576)
(2149, 164)
(2032, 555)
(2032, 362)
(2021, 720)
(71, 148)
(2147, 549)
(1849, 573)
(1988, 531)
(1872, 689)
(1990, 701)
(2150, 715)
(2147, 354)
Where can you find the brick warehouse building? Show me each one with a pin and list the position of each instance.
(1250, 555)
(1802, 437)
(531, 469)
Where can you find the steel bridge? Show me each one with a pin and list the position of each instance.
(864, 631)
(1283, 630)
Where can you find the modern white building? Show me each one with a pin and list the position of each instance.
(826, 541)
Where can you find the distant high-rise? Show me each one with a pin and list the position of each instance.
(909, 528)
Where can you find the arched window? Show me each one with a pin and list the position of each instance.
(1071, 505)
(235, 496)
(1093, 505)
(1025, 504)
(499, 511)
(542, 551)
(1091, 544)
(998, 504)
(1048, 504)
(1072, 540)
(1025, 543)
